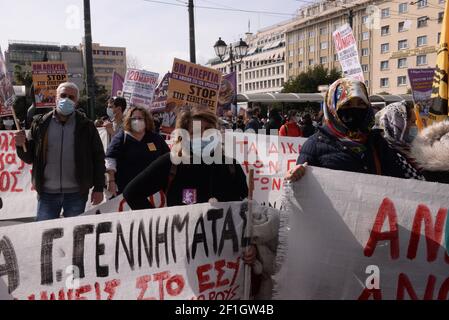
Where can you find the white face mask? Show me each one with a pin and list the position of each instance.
(8, 123)
(110, 113)
(138, 125)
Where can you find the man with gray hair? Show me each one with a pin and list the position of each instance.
(67, 155)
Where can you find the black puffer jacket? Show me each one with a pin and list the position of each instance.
(323, 150)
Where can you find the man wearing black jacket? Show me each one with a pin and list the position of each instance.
(67, 155)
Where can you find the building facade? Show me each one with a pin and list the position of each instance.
(23, 53)
(106, 60)
(407, 37)
(263, 69)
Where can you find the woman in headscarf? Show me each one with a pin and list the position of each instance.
(345, 141)
(397, 123)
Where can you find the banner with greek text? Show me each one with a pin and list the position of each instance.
(139, 86)
(358, 236)
(188, 252)
(346, 47)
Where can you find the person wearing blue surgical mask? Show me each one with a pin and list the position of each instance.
(202, 175)
(115, 111)
(67, 155)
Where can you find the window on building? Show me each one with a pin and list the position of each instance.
(311, 62)
(402, 63)
(365, 67)
(364, 52)
(290, 65)
(385, 30)
(335, 57)
(367, 83)
(401, 26)
(438, 37)
(323, 60)
(402, 44)
(421, 4)
(365, 35)
(301, 36)
(384, 82)
(364, 19)
(301, 50)
(385, 13)
(440, 16)
(384, 65)
(421, 60)
(312, 48)
(282, 69)
(421, 41)
(300, 64)
(402, 81)
(441, 1)
(323, 45)
(290, 53)
(323, 30)
(384, 47)
(403, 7)
(311, 34)
(422, 21)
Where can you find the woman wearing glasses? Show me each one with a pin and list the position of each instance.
(132, 149)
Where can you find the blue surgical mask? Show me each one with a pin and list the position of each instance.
(412, 133)
(66, 106)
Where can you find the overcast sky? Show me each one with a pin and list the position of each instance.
(154, 33)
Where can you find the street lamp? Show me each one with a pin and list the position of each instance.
(235, 54)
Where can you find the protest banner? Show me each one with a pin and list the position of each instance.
(7, 96)
(138, 88)
(47, 76)
(346, 47)
(17, 196)
(160, 95)
(194, 85)
(421, 84)
(357, 236)
(188, 252)
(117, 84)
(227, 96)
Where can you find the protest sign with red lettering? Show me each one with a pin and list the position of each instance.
(359, 236)
(160, 95)
(346, 47)
(17, 197)
(47, 76)
(139, 86)
(187, 252)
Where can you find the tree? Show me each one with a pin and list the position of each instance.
(101, 98)
(308, 81)
(132, 62)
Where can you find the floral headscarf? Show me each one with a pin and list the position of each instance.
(340, 93)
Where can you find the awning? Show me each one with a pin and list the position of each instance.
(279, 97)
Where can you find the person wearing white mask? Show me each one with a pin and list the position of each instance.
(132, 149)
(67, 155)
(205, 175)
(115, 111)
(8, 123)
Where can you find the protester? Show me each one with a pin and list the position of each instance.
(115, 110)
(345, 141)
(254, 123)
(291, 127)
(274, 122)
(8, 123)
(187, 183)
(239, 124)
(132, 149)
(397, 123)
(430, 150)
(307, 127)
(67, 155)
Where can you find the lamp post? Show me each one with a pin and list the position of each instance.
(236, 53)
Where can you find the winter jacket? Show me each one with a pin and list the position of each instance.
(430, 151)
(323, 150)
(89, 153)
(253, 124)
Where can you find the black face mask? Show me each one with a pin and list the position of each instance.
(354, 119)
